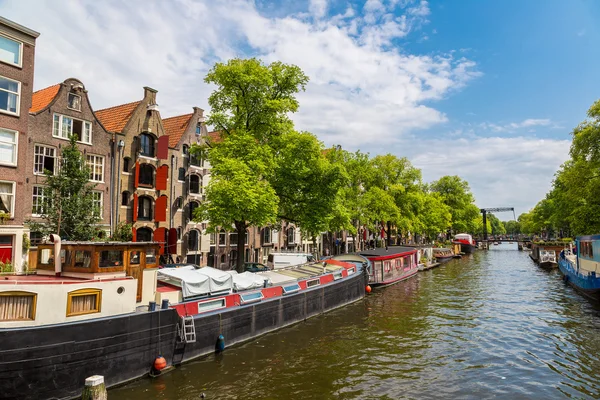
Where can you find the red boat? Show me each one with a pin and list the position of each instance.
(391, 265)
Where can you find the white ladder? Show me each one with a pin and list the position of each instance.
(188, 329)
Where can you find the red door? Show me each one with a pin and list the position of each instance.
(6, 249)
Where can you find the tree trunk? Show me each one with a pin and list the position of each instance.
(240, 227)
(389, 233)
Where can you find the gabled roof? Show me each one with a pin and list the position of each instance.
(215, 137)
(115, 118)
(42, 98)
(175, 127)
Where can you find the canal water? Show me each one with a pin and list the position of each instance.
(490, 325)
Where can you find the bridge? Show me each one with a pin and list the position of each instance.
(484, 211)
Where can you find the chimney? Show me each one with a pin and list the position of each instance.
(150, 94)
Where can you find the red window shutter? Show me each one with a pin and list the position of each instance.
(160, 209)
(161, 177)
(135, 207)
(163, 147)
(137, 174)
(172, 247)
(159, 236)
(134, 233)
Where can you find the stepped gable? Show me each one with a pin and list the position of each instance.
(42, 98)
(175, 127)
(115, 118)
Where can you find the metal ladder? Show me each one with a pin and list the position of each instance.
(188, 329)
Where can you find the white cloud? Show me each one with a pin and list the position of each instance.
(514, 126)
(318, 8)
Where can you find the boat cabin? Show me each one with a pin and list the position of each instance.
(391, 265)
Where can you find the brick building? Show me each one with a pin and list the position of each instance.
(56, 113)
(17, 53)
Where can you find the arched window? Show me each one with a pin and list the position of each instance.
(233, 238)
(146, 175)
(222, 237)
(193, 205)
(195, 184)
(178, 203)
(147, 145)
(186, 150)
(266, 236)
(144, 235)
(193, 242)
(145, 208)
(125, 198)
(126, 164)
(291, 235)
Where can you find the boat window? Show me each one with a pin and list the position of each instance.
(293, 288)
(150, 256)
(313, 282)
(17, 306)
(83, 258)
(47, 257)
(134, 257)
(251, 297)
(351, 270)
(65, 257)
(111, 258)
(84, 301)
(337, 275)
(205, 306)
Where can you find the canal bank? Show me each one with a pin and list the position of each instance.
(490, 324)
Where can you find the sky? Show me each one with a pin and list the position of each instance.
(487, 90)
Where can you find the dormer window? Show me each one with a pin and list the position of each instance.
(74, 102)
(146, 145)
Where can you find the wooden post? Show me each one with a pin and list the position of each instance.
(94, 388)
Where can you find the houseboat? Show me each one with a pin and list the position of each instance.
(107, 309)
(581, 269)
(467, 244)
(547, 259)
(391, 265)
(442, 254)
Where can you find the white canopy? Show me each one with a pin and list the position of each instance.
(464, 236)
(191, 283)
(219, 280)
(247, 280)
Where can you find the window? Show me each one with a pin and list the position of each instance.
(210, 305)
(195, 160)
(222, 237)
(146, 175)
(178, 203)
(10, 51)
(10, 95)
(291, 235)
(145, 209)
(146, 145)
(251, 297)
(41, 200)
(144, 235)
(195, 184)
(181, 175)
(36, 238)
(7, 198)
(213, 239)
(65, 126)
(313, 282)
(150, 256)
(126, 164)
(134, 257)
(233, 238)
(8, 146)
(246, 238)
(96, 164)
(97, 199)
(193, 240)
(266, 236)
(46, 257)
(111, 258)
(17, 306)
(179, 232)
(44, 159)
(193, 205)
(198, 128)
(186, 150)
(84, 301)
(125, 198)
(83, 258)
(74, 101)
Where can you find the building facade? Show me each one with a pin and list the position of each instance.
(17, 54)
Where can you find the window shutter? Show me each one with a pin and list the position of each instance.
(161, 177)
(137, 174)
(134, 234)
(135, 207)
(160, 211)
(172, 248)
(163, 147)
(159, 236)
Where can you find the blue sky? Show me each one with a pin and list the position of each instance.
(488, 90)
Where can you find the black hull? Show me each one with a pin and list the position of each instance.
(548, 265)
(53, 362)
(467, 248)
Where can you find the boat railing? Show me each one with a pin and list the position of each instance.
(58, 281)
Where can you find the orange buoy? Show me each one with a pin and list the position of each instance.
(368, 289)
(160, 363)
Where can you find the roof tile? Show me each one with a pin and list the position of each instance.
(175, 127)
(215, 137)
(42, 98)
(115, 118)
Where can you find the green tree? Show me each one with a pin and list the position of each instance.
(457, 195)
(69, 208)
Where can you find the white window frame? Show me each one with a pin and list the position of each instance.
(18, 93)
(93, 164)
(61, 128)
(211, 305)
(20, 62)
(43, 146)
(15, 146)
(96, 192)
(14, 195)
(76, 95)
(33, 197)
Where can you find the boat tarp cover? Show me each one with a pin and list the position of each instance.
(219, 280)
(464, 236)
(247, 280)
(192, 283)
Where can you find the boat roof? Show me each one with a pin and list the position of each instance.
(95, 243)
(382, 253)
(589, 237)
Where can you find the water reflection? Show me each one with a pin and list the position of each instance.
(489, 325)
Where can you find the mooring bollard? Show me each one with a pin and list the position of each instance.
(94, 388)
